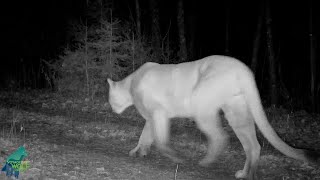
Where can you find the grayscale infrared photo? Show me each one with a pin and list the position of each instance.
(160, 90)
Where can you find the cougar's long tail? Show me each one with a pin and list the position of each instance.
(254, 102)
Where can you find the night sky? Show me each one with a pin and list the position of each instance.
(39, 29)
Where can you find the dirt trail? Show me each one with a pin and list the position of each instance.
(85, 145)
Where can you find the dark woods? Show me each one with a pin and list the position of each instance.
(75, 45)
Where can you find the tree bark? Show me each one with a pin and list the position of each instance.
(312, 61)
(272, 63)
(257, 38)
(181, 29)
(191, 36)
(155, 26)
(138, 19)
(227, 45)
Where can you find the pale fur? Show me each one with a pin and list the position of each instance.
(199, 90)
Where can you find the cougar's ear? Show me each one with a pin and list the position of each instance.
(110, 82)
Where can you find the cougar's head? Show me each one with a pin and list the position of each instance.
(119, 96)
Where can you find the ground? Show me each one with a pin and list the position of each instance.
(69, 137)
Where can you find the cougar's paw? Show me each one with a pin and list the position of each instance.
(241, 174)
(133, 152)
(174, 158)
(143, 151)
(206, 161)
(171, 154)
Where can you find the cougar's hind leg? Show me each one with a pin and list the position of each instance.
(242, 123)
(161, 131)
(145, 141)
(248, 139)
(211, 126)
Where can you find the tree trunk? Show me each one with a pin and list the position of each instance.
(312, 61)
(155, 27)
(138, 19)
(272, 63)
(181, 29)
(256, 42)
(191, 36)
(227, 45)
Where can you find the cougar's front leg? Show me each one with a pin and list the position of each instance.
(145, 141)
(161, 126)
